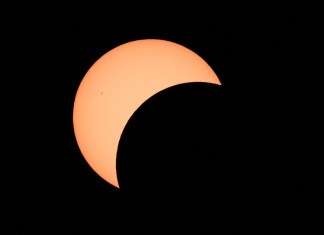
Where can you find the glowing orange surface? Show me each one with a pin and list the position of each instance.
(117, 84)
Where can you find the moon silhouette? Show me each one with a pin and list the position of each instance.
(117, 84)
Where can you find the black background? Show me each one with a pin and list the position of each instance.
(244, 156)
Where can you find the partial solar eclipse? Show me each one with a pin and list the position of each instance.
(117, 84)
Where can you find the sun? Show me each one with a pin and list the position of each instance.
(117, 84)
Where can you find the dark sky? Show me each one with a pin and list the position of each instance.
(247, 159)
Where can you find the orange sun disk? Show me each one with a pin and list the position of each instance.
(116, 86)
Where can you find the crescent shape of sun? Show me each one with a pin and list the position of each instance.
(117, 84)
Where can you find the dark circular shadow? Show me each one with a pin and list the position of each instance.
(179, 161)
